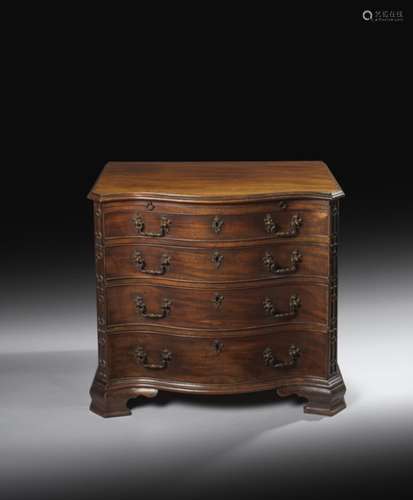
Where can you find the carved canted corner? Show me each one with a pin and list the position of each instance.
(102, 371)
(332, 306)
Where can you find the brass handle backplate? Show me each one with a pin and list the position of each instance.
(140, 226)
(273, 228)
(141, 356)
(271, 360)
(140, 264)
(142, 309)
(270, 309)
(274, 268)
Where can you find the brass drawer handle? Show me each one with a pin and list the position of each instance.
(141, 309)
(141, 356)
(140, 264)
(269, 308)
(273, 267)
(272, 227)
(273, 362)
(140, 226)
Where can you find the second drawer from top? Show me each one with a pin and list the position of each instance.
(215, 265)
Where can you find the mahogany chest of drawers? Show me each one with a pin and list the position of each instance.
(216, 278)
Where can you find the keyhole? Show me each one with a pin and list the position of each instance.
(217, 300)
(217, 259)
(218, 345)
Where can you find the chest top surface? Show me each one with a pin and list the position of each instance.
(215, 181)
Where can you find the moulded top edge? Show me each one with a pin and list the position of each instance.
(215, 182)
(211, 200)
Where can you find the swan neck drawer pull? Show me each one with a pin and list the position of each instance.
(273, 228)
(274, 268)
(270, 309)
(273, 362)
(142, 309)
(140, 264)
(140, 226)
(141, 357)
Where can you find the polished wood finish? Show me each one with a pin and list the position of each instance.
(215, 265)
(216, 278)
(240, 358)
(120, 221)
(220, 180)
(197, 308)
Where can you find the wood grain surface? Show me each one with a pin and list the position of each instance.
(240, 360)
(197, 308)
(215, 265)
(220, 180)
(121, 222)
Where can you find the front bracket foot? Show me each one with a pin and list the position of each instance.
(324, 397)
(114, 403)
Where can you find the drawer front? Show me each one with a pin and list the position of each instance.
(266, 221)
(217, 361)
(216, 264)
(228, 309)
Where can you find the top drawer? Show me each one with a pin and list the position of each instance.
(167, 221)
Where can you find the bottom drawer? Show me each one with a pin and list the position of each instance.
(235, 360)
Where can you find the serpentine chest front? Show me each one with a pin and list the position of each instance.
(216, 278)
